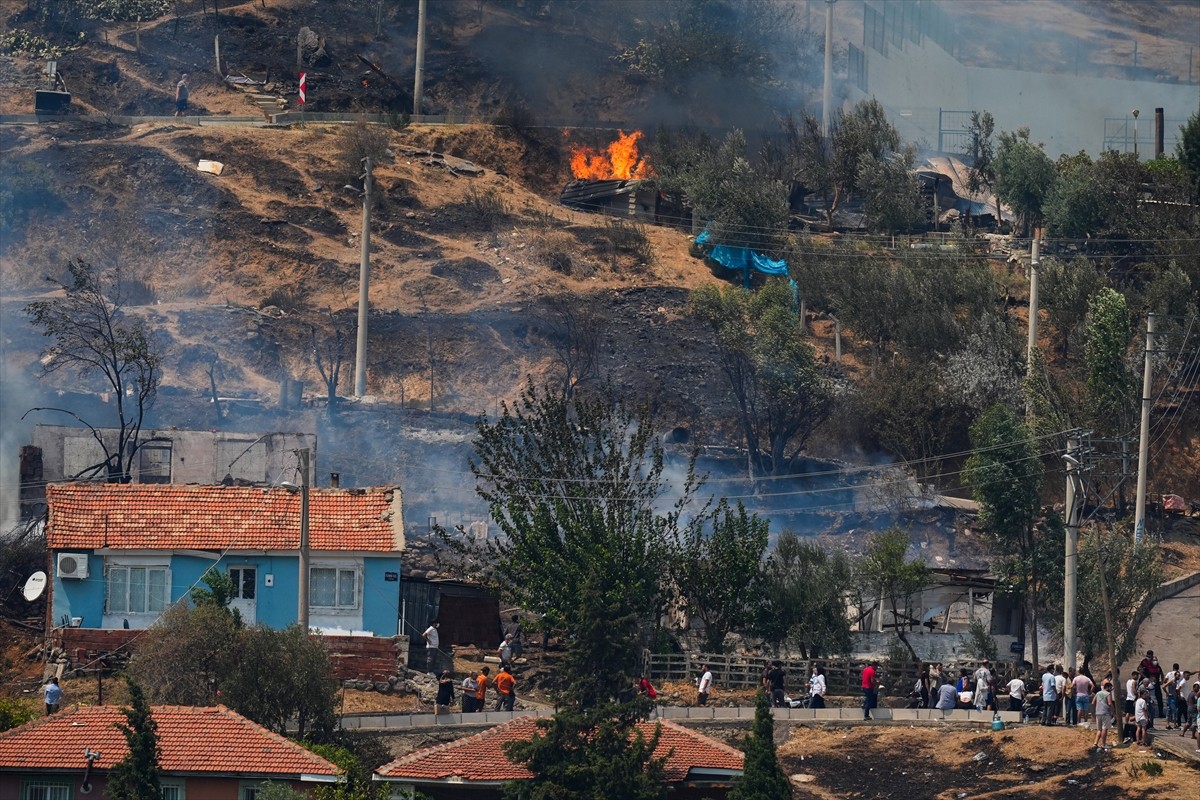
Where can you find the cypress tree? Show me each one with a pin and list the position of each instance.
(135, 777)
(762, 778)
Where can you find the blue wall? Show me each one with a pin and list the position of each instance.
(275, 607)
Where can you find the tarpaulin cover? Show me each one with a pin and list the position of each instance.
(742, 257)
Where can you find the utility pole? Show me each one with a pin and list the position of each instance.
(1071, 551)
(364, 279)
(419, 82)
(1139, 509)
(302, 593)
(827, 90)
(1034, 263)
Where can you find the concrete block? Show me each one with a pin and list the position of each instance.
(880, 713)
(725, 713)
(496, 717)
(825, 713)
(453, 718)
(397, 721)
(700, 712)
(904, 714)
(420, 720)
(1011, 717)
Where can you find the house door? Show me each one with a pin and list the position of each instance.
(245, 590)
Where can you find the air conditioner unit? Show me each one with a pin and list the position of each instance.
(72, 565)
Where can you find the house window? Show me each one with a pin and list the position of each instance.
(46, 789)
(244, 581)
(333, 587)
(172, 791)
(154, 463)
(137, 590)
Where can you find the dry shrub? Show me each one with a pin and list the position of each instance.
(356, 142)
(488, 208)
(626, 238)
(556, 250)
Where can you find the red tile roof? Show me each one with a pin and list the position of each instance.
(207, 517)
(196, 740)
(481, 757)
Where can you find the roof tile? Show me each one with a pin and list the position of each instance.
(481, 757)
(208, 517)
(192, 739)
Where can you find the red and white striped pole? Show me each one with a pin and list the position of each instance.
(303, 85)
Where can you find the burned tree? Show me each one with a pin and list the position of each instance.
(329, 352)
(575, 329)
(92, 335)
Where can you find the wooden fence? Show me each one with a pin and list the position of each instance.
(842, 676)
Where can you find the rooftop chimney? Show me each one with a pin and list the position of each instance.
(1158, 133)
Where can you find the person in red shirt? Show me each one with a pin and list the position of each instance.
(1154, 672)
(870, 688)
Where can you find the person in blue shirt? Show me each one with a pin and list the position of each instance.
(54, 695)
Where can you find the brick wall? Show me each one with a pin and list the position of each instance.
(365, 658)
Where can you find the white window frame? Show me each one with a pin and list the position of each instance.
(65, 785)
(155, 448)
(126, 564)
(342, 571)
(176, 789)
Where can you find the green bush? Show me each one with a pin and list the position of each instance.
(21, 42)
(15, 712)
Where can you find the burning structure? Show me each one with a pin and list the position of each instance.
(613, 180)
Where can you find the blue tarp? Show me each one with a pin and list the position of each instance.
(742, 258)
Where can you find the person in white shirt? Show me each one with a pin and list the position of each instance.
(817, 687)
(1131, 692)
(1060, 686)
(431, 646)
(1016, 694)
(703, 686)
(1141, 715)
(983, 682)
(1049, 696)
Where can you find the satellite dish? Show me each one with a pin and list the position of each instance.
(34, 586)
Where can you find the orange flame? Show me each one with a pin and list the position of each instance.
(619, 161)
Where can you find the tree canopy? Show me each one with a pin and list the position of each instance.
(1024, 176)
(800, 598)
(136, 776)
(762, 777)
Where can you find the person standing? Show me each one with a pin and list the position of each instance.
(1152, 671)
(817, 687)
(1104, 705)
(1083, 687)
(1131, 692)
(431, 646)
(983, 680)
(1191, 721)
(776, 678)
(1141, 715)
(513, 629)
(505, 651)
(1170, 690)
(703, 685)
(506, 689)
(1060, 686)
(922, 687)
(54, 696)
(445, 693)
(870, 688)
(1016, 694)
(469, 687)
(1049, 696)
(481, 684)
(181, 96)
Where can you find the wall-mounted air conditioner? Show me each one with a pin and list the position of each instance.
(72, 565)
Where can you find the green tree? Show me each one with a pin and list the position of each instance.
(908, 411)
(832, 165)
(770, 368)
(762, 777)
(1096, 198)
(218, 590)
(1067, 287)
(577, 486)
(93, 336)
(1005, 475)
(1132, 572)
(800, 597)
(1110, 386)
(716, 567)
(15, 712)
(891, 193)
(981, 174)
(136, 776)
(1024, 176)
(581, 754)
(885, 570)
(184, 656)
(1187, 151)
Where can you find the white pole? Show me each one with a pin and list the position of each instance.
(1034, 263)
(827, 91)
(302, 593)
(419, 83)
(1139, 513)
(364, 277)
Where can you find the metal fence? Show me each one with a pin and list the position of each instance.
(842, 676)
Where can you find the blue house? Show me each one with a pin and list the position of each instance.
(123, 553)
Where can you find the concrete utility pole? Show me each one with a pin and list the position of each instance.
(419, 82)
(302, 592)
(1135, 116)
(1074, 501)
(1139, 509)
(1034, 263)
(827, 91)
(364, 278)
